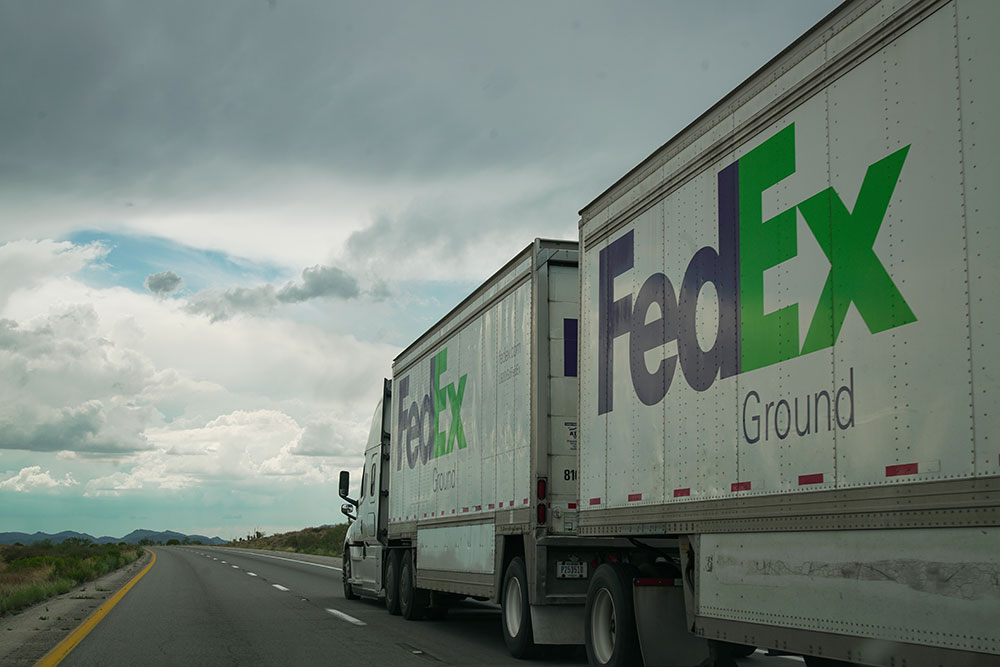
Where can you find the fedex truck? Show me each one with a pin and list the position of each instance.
(785, 423)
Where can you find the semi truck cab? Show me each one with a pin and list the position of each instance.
(367, 537)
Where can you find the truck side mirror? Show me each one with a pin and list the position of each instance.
(345, 487)
(348, 511)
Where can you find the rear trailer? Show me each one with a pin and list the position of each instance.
(789, 359)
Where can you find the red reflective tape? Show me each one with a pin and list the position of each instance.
(465, 509)
(523, 503)
(595, 501)
(491, 506)
(453, 511)
(571, 506)
(678, 493)
(501, 503)
(901, 469)
(432, 513)
(479, 508)
(425, 515)
(741, 486)
(816, 478)
(632, 497)
(655, 581)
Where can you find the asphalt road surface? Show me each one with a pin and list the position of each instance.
(214, 606)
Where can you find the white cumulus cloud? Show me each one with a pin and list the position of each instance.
(32, 478)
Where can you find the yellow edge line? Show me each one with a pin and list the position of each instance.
(62, 649)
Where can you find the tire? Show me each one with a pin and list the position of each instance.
(515, 614)
(412, 600)
(392, 582)
(349, 593)
(742, 650)
(609, 628)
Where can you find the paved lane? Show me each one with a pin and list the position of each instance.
(196, 609)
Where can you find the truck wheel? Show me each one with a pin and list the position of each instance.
(349, 593)
(392, 582)
(515, 612)
(412, 600)
(609, 627)
(816, 661)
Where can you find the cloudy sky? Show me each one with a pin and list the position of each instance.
(219, 222)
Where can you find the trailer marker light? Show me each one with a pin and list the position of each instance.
(479, 508)
(633, 497)
(740, 486)
(679, 493)
(453, 511)
(901, 469)
(501, 504)
(816, 478)
(491, 506)
(571, 506)
(465, 509)
(595, 501)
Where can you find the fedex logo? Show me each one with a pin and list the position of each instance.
(418, 416)
(747, 338)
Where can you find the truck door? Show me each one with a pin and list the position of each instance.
(366, 561)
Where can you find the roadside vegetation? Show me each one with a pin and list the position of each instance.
(321, 540)
(30, 574)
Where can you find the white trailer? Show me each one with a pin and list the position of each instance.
(480, 413)
(787, 404)
(789, 351)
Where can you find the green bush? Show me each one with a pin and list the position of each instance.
(29, 574)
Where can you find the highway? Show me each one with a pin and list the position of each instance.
(200, 605)
(219, 606)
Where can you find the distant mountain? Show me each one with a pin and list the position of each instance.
(131, 538)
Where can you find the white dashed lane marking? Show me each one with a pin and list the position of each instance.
(235, 567)
(293, 560)
(279, 587)
(346, 617)
(251, 574)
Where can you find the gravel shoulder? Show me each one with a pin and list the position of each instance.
(29, 634)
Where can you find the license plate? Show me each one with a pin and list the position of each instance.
(568, 569)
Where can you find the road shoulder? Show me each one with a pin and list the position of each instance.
(28, 635)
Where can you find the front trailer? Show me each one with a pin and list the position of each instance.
(472, 459)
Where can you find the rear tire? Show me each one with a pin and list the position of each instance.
(515, 611)
(611, 637)
(412, 600)
(349, 593)
(392, 582)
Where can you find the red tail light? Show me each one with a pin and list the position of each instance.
(541, 513)
(541, 488)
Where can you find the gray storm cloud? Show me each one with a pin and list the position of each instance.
(320, 281)
(163, 283)
(317, 282)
